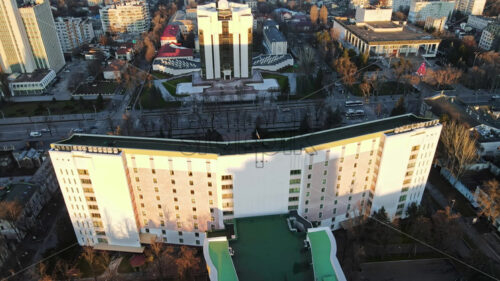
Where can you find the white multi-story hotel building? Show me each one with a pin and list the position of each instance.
(127, 16)
(470, 7)
(15, 50)
(490, 38)
(421, 9)
(42, 35)
(124, 191)
(73, 32)
(225, 36)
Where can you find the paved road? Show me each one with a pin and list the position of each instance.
(409, 270)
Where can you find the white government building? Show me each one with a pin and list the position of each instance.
(225, 37)
(124, 191)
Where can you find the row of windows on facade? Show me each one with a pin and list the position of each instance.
(189, 173)
(181, 240)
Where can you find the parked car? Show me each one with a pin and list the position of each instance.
(35, 134)
(45, 130)
(77, 130)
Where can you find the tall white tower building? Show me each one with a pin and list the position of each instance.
(15, 50)
(225, 36)
(41, 31)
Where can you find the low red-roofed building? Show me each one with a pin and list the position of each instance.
(125, 52)
(170, 35)
(170, 52)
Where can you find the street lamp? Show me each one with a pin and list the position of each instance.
(48, 109)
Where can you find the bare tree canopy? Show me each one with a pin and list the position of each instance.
(457, 148)
(489, 199)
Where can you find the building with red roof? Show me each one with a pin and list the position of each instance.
(170, 34)
(172, 52)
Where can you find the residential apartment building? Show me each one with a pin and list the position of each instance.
(225, 36)
(42, 35)
(470, 7)
(127, 16)
(73, 32)
(399, 5)
(370, 14)
(121, 192)
(490, 38)
(421, 9)
(15, 50)
(436, 24)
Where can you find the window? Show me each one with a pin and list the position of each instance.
(310, 167)
(191, 183)
(334, 211)
(348, 206)
(179, 233)
(339, 177)
(324, 181)
(324, 173)
(209, 175)
(192, 192)
(176, 207)
(295, 172)
(227, 186)
(227, 213)
(175, 199)
(158, 198)
(210, 193)
(88, 181)
(402, 198)
(320, 214)
(295, 207)
(181, 240)
(341, 159)
(309, 176)
(322, 198)
(162, 223)
(90, 198)
(308, 193)
(195, 217)
(326, 163)
(83, 172)
(210, 202)
(294, 181)
(193, 201)
(171, 173)
(401, 206)
(323, 189)
(294, 190)
(96, 215)
(153, 171)
(308, 185)
(159, 206)
(209, 184)
(321, 206)
(156, 189)
(93, 207)
(88, 190)
(306, 210)
(137, 179)
(155, 180)
(350, 198)
(227, 177)
(135, 170)
(190, 173)
(227, 196)
(172, 181)
(307, 202)
(177, 216)
(174, 190)
(357, 156)
(196, 234)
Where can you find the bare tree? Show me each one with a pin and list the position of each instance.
(314, 14)
(187, 262)
(442, 77)
(489, 200)
(11, 212)
(365, 89)
(458, 148)
(446, 230)
(90, 256)
(306, 60)
(162, 258)
(347, 70)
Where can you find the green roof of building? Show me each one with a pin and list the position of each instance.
(247, 146)
(321, 250)
(219, 254)
(266, 249)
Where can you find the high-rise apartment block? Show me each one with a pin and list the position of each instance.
(470, 7)
(420, 10)
(225, 36)
(41, 31)
(15, 50)
(73, 32)
(124, 191)
(127, 16)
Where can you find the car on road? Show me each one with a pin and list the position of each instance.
(35, 134)
(45, 130)
(77, 130)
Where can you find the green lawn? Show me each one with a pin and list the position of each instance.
(171, 85)
(95, 88)
(56, 108)
(282, 80)
(265, 249)
(151, 100)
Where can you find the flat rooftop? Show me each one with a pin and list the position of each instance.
(20, 192)
(300, 142)
(35, 76)
(407, 35)
(321, 249)
(265, 249)
(219, 255)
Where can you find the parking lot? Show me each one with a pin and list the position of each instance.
(59, 89)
